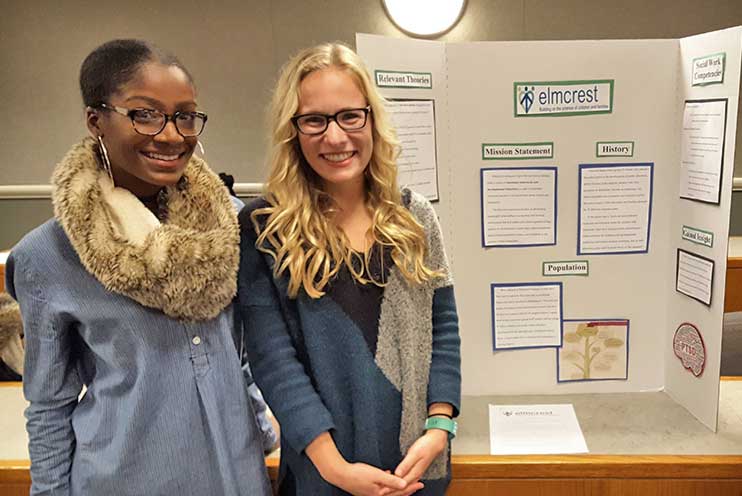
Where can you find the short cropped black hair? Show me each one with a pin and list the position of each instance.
(107, 68)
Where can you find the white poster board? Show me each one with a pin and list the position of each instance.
(563, 105)
(699, 394)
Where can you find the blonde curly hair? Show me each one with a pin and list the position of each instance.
(298, 231)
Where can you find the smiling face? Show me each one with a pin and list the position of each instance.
(144, 164)
(338, 157)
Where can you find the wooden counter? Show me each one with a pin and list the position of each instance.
(554, 475)
(578, 475)
(733, 287)
(595, 475)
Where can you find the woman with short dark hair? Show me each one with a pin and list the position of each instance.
(128, 292)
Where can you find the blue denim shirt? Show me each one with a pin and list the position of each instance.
(167, 408)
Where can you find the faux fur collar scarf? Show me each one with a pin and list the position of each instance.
(10, 320)
(186, 267)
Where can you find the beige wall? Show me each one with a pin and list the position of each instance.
(234, 49)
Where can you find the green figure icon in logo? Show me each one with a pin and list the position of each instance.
(526, 98)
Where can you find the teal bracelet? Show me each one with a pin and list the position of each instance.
(444, 424)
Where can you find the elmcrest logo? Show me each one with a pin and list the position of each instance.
(562, 98)
(526, 98)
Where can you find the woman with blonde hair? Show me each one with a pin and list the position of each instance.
(346, 293)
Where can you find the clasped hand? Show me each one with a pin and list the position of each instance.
(361, 479)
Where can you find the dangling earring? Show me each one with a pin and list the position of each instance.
(104, 158)
(201, 148)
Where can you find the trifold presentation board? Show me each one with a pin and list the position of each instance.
(584, 191)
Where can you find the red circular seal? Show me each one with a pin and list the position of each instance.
(689, 348)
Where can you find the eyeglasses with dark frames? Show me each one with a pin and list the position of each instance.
(348, 120)
(151, 122)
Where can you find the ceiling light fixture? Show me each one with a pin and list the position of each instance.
(424, 18)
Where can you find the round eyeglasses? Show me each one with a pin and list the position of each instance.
(348, 120)
(151, 122)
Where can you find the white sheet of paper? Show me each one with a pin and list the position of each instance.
(527, 316)
(694, 276)
(518, 207)
(615, 203)
(702, 142)
(414, 121)
(535, 430)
